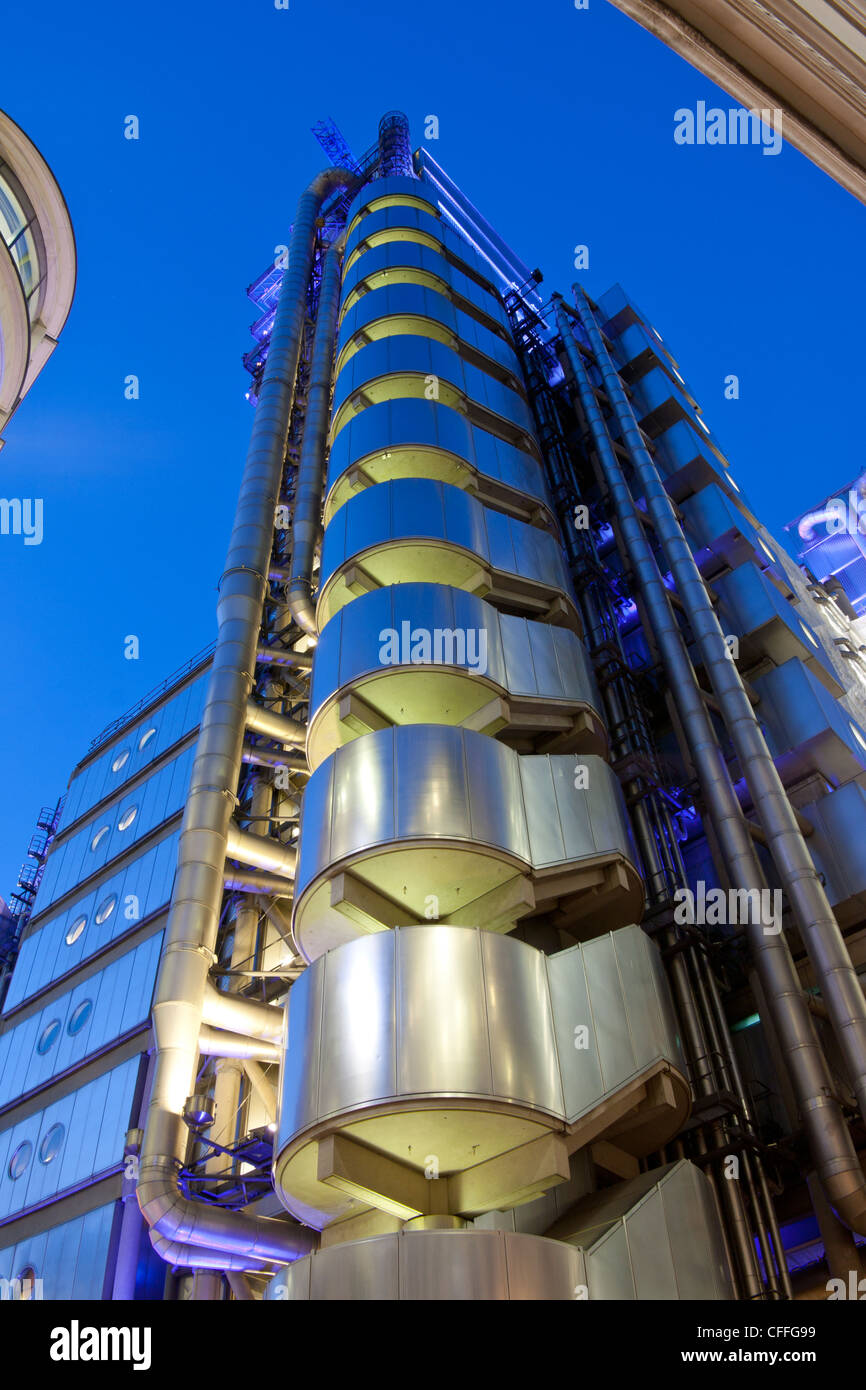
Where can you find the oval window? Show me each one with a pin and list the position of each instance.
(127, 818)
(48, 1037)
(857, 734)
(105, 909)
(146, 737)
(100, 835)
(51, 1142)
(20, 1160)
(75, 930)
(79, 1016)
(121, 759)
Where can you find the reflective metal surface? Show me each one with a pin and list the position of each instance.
(408, 226)
(655, 1237)
(466, 814)
(417, 530)
(388, 1026)
(393, 258)
(382, 312)
(396, 187)
(435, 1265)
(751, 606)
(426, 439)
(376, 649)
(806, 729)
(407, 366)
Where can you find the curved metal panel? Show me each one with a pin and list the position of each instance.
(476, 1039)
(436, 1265)
(422, 303)
(394, 186)
(522, 1040)
(442, 1047)
(399, 793)
(363, 378)
(412, 255)
(400, 223)
(390, 531)
(429, 653)
(413, 437)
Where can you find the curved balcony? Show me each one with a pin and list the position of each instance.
(414, 438)
(398, 190)
(428, 819)
(427, 654)
(413, 530)
(409, 225)
(408, 262)
(409, 309)
(483, 1042)
(402, 365)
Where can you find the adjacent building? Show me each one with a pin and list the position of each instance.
(805, 58)
(37, 265)
(483, 916)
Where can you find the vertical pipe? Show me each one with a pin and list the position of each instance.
(825, 1126)
(193, 923)
(822, 938)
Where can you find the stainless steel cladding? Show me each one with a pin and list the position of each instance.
(437, 1265)
(428, 813)
(658, 1239)
(412, 438)
(470, 1045)
(416, 529)
(427, 653)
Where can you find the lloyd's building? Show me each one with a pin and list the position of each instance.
(481, 917)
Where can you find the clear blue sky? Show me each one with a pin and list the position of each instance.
(558, 124)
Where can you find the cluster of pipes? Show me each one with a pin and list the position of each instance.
(194, 1019)
(838, 1177)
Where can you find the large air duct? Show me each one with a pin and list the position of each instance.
(840, 987)
(307, 517)
(191, 935)
(833, 1151)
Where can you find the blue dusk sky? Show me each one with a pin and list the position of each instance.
(558, 123)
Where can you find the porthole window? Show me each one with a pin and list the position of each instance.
(121, 759)
(75, 930)
(51, 1142)
(48, 1037)
(105, 909)
(79, 1016)
(100, 835)
(127, 818)
(146, 737)
(20, 1160)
